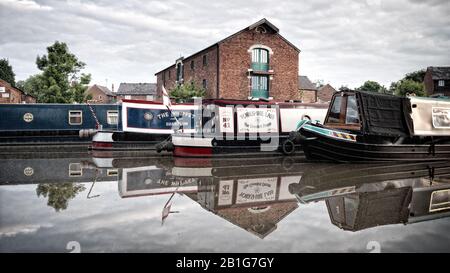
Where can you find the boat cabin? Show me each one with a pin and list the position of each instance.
(241, 117)
(387, 115)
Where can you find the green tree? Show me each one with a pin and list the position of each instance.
(184, 92)
(405, 86)
(417, 76)
(372, 86)
(6, 72)
(60, 80)
(33, 86)
(59, 194)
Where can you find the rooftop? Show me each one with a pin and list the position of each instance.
(137, 89)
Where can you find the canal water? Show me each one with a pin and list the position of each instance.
(145, 203)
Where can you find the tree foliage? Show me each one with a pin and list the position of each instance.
(373, 86)
(412, 83)
(59, 194)
(417, 76)
(6, 72)
(405, 87)
(184, 92)
(60, 80)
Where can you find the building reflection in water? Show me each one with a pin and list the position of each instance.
(254, 194)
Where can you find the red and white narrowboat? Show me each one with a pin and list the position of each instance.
(243, 127)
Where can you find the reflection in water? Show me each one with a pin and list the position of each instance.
(356, 196)
(374, 195)
(255, 194)
(59, 194)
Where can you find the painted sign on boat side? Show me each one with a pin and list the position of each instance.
(257, 120)
(156, 118)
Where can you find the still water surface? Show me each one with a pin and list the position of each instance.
(265, 204)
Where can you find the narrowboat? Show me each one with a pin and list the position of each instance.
(243, 127)
(365, 196)
(144, 124)
(55, 123)
(368, 126)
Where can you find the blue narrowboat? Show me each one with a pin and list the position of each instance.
(47, 123)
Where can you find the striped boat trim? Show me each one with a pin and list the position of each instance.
(330, 133)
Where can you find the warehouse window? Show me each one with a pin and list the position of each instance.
(75, 117)
(441, 83)
(205, 60)
(204, 84)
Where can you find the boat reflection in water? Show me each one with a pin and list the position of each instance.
(255, 194)
(364, 196)
(258, 195)
(253, 200)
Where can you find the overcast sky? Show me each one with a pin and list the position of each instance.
(342, 42)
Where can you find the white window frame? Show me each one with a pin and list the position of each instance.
(2, 89)
(112, 112)
(77, 171)
(128, 97)
(71, 112)
(441, 83)
(5, 95)
(149, 97)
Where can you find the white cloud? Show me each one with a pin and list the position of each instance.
(342, 42)
(23, 5)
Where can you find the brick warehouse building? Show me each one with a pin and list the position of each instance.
(256, 62)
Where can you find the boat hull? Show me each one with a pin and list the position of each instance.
(317, 146)
(188, 146)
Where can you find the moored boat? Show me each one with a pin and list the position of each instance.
(366, 126)
(242, 127)
(144, 124)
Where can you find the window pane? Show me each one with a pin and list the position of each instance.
(352, 111)
(75, 118)
(335, 111)
(112, 117)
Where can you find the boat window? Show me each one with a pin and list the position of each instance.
(75, 169)
(112, 172)
(335, 111)
(112, 117)
(75, 117)
(351, 208)
(440, 200)
(352, 111)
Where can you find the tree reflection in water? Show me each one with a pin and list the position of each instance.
(59, 194)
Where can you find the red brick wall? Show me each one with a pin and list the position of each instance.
(167, 78)
(428, 82)
(201, 72)
(235, 60)
(308, 95)
(325, 93)
(15, 95)
(98, 95)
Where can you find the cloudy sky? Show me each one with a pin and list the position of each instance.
(343, 42)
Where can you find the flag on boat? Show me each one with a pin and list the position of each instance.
(166, 98)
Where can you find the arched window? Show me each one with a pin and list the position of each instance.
(260, 59)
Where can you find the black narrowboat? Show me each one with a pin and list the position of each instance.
(368, 126)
